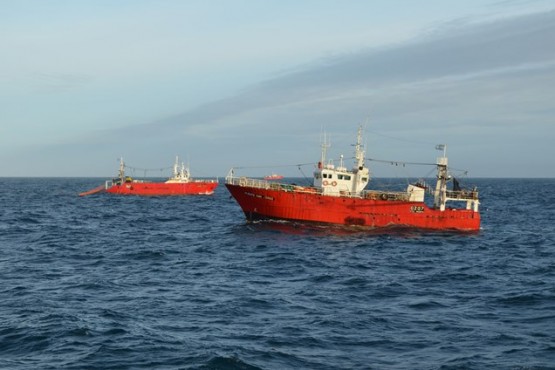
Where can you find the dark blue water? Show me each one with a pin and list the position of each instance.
(108, 282)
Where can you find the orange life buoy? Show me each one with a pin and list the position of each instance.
(325, 183)
(334, 183)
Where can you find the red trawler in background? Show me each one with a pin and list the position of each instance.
(338, 196)
(273, 177)
(179, 184)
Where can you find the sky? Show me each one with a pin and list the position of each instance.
(256, 84)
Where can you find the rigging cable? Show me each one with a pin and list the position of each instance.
(396, 163)
(400, 162)
(145, 170)
(278, 166)
(306, 178)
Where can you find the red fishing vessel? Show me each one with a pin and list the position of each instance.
(180, 183)
(273, 176)
(338, 196)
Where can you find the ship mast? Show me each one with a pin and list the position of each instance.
(121, 172)
(361, 173)
(179, 171)
(440, 193)
(359, 152)
(176, 167)
(325, 145)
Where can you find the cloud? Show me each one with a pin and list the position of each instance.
(58, 82)
(500, 73)
(499, 49)
(474, 85)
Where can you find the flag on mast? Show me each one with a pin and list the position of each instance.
(442, 147)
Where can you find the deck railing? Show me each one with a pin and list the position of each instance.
(462, 194)
(264, 184)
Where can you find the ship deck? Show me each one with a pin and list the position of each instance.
(463, 195)
(272, 185)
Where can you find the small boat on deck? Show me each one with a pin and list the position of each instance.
(181, 183)
(338, 196)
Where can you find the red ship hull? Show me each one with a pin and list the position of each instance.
(258, 203)
(161, 188)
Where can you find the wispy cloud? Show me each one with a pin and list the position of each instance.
(459, 84)
(491, 57)
(57, 82)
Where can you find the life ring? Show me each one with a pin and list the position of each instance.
(334, 183)
(242, 181)
(325, 183)
(383, 196)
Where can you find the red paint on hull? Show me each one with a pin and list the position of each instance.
(259, 203)
(160, 189)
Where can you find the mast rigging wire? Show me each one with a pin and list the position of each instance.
(400, 162)
(305, 177)
(413, 163)
(278, 166)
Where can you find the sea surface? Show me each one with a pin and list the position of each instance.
(115, 282)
